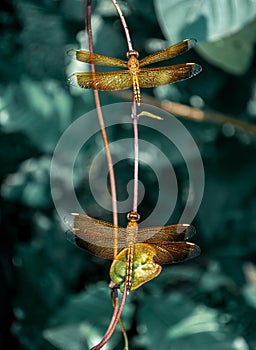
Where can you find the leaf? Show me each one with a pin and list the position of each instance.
(81, 336)
(204, 20)
(30, 184)
(41, 110)
(84, 319)
(249, 293)
(200, 320)
(93, 305)
(176, 323)
(233, 54)
(72, 336)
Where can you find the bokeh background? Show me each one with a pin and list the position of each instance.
(54, 295)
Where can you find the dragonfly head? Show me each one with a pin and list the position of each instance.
(133, 216)
(132, 53)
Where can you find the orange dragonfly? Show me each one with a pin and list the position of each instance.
(134, 76)
(139, 252)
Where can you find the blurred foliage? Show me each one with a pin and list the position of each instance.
(54, 295)
(207, 21)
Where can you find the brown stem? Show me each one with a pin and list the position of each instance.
(192, 113)
(134, 116)
(103, 131)
(126, 342)
(114, 296)
(136, 156)
(115, 318)
(126, 30)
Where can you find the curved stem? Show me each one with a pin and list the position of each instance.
(113, 323)
(136, 156)
(126, 342)
(134, 116)
(103, 130)
(126, 30)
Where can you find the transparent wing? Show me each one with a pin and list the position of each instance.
(171, 233)
(89, 233)
(108, 81)
(88, 57)
(169, 253)
(103, 252)
(168, 53)
(150, 77)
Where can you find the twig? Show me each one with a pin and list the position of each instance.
(136, 156)
(126, 30)
(134, 116)
(192, 113)
(114, 321)
(117, 311)
(103, 130)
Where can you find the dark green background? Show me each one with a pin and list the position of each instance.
(53, 295)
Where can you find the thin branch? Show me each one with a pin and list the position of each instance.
(207, 116)
(126, 30)
(134, 116)
(117, 312)
(192, 113)
(103, 130)
(114, 321)
(126, 342)
(110, 327)
(114, 297)
(136, 156)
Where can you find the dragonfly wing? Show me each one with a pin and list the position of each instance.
(169, 253)
(88, 57)
(95, 232)
(171, 233)
(108, 81)
(168, 53)
(166, 75)
(103, 252)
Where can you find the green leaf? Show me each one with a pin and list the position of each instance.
(30, 184)
(81, 336)
(249, 293)
(233, 54)
(204, 20)
(176, 323)
(84, 319)
(40, 110)
(200, 320)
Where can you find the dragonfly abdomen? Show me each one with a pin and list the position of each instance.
(136, 88)
(129, 266)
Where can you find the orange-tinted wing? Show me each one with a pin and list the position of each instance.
(96, 236)
(88, 57)
(103, 80)
(168, 53)
(169, 253)
(171, 233)
(150, 77)
(103, 252)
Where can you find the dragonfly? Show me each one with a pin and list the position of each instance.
(137, 254)
(134, 76)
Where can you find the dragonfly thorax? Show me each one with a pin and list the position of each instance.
(133, 65)
(131, 233)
